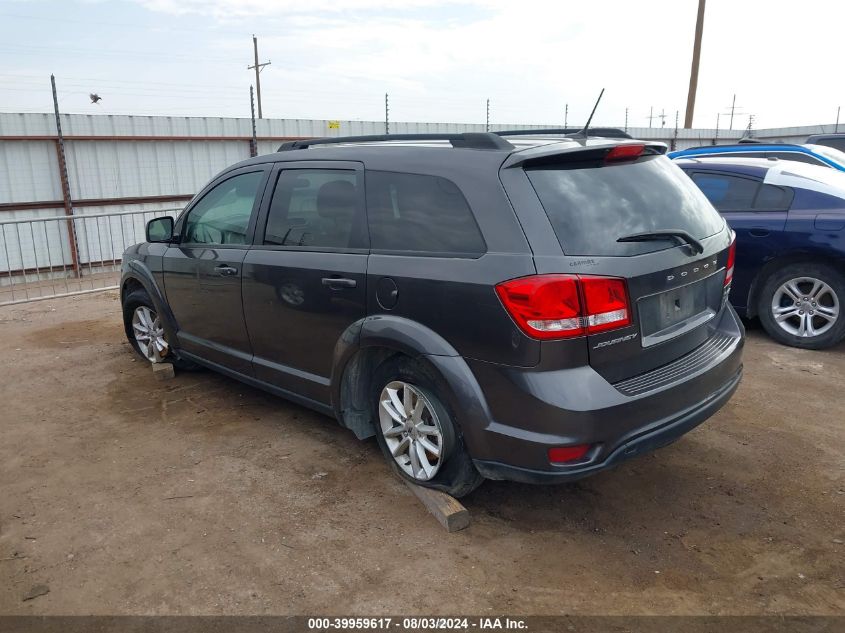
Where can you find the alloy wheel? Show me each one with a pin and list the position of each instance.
(411, 430)
(149, 334)
(805, 307)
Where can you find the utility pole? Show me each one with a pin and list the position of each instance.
(732, 111)
(253, 144)
(566, 115)
(488, 115)
(675, 136)
(68, 202)
(836, 129)
(626, 119)
(386, 115)
(662, 117)
(650, 115)
(733, 108)
(258, 68)
(717, 128)
(696, 58)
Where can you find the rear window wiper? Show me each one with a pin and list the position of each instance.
(662, 234)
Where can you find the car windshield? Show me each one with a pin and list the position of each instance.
(830, 153)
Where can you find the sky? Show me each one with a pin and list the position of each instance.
(439, 60)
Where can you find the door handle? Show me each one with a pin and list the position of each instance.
(758, 232)
(225, 271)
(339, 282)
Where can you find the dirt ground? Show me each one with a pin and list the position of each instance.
(124, 495)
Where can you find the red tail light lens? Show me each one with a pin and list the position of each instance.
(544, 306)
(624, 152)
(563, 306)
(606, 303)
(729, 267)
(561, 454)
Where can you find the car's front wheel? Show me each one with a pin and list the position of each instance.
(144, 328)
(416, 430)
(801, 305)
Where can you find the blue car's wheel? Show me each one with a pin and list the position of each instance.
(803, 305)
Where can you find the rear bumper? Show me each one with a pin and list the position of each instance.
(666, 433)
(525, 412)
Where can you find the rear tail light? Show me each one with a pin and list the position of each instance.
(624, 152)
(729, 267)
(561, 454)
(563, 306)
(606, 303)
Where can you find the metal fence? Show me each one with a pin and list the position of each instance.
(43, 258)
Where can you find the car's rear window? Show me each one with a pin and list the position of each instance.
(591, 205)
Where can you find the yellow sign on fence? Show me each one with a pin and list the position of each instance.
(334, 125)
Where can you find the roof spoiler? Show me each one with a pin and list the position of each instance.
(554, 153)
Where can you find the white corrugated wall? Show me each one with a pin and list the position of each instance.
(113, 168)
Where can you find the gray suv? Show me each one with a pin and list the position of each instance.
(507, 307)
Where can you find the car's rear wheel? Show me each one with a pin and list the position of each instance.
(802, 305)
(417, 432)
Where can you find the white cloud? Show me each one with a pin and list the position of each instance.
(441, 59)
(223, 9)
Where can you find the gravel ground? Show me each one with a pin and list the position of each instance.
(125, 495)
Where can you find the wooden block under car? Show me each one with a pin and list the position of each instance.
(452, 515)
(163, 371)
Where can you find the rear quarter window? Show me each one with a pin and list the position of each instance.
(422, 214)
(591, 205)
(726, 192)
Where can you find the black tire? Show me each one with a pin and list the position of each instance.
(456, 474)
(770, 292)
(131, 302)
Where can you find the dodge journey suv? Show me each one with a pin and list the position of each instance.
(507, 307)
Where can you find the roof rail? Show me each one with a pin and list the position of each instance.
(471, 140)
(607, 132)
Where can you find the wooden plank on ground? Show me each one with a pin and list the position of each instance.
(446, 509)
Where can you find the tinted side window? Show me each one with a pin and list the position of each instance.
(727, 193)
(426, 214)
(797, 157)
(318, 208)
(222, 215)
(773, 198)
(835, 143)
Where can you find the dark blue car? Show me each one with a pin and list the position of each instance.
(789, 219)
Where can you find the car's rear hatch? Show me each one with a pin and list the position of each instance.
(673, 253)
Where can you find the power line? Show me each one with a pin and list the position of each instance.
(24, 50)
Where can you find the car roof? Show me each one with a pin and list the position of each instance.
(386, 154)
(745, 147)
(749, 166)
(777, 172)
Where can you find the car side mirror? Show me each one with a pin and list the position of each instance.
(160, 229)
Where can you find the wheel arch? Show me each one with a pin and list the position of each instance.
(138, 276)
(371, 341)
